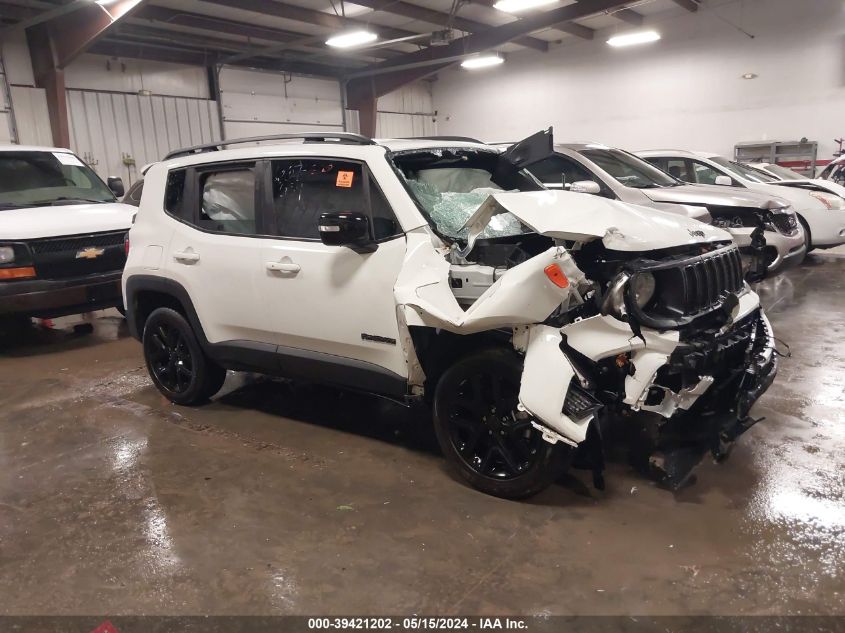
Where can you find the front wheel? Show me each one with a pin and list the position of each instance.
(175, 360)
(808, 237)
(481, 434)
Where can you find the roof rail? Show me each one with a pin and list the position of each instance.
(309, 137)
(457, 139)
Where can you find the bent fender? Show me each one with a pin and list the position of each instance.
(523, 295)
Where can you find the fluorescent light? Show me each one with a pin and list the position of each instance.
(482, 61)
(515, 6)
(630, 39)
(352, 38)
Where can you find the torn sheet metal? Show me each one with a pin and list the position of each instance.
(523, 295)
(582, 217)
(546, 376)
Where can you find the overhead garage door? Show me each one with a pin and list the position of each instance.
(257, 103)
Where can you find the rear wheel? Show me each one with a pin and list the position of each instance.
(175, 360)
(481, 434)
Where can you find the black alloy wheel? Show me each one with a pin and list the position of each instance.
(480, 431)
(175, 360)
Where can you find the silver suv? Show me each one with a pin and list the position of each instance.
(620, 175)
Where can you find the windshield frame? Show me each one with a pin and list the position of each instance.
(66, 198)
(391, 157)
(643, 166)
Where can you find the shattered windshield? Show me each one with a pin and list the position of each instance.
(450, 184)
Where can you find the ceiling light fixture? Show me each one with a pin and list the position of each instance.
(630, 39)
(750, 76)
(515, 6)
(351, 39)
(482, 61)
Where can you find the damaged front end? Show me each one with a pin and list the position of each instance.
(653, 317)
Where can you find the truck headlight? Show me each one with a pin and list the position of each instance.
(642, 287)
(7, 254)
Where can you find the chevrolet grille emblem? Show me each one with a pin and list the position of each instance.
(92, 252)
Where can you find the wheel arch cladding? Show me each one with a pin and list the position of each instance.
(145, 293)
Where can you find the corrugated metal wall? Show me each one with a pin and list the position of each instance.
(8, 132)
(110, 129)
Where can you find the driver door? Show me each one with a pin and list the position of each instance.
(332, 308)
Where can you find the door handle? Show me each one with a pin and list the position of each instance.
(186, 257)
(286, 267)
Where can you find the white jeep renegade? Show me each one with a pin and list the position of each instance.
(440, 271)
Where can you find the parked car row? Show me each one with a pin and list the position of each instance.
(531, 294)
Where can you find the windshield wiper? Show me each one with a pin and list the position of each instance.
(63, 199)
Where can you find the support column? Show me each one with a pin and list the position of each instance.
(368, 116)
(52, 80)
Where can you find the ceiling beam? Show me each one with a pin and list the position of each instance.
(630, 16)
(153, 52)
(441, 20)
(689, 5)
(572, 28)
(74, 33)
(309, 16)
(431, 59)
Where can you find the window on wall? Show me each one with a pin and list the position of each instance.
(227, 200)
(304, 189)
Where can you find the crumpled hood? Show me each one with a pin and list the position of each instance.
(800, 199)
(584, 217)
(70, 219)
(713, 195)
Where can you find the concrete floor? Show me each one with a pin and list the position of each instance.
(309, 501)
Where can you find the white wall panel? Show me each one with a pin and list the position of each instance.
(32, 116)
(684, 91)
(106, 127)
(256, 103)
(98, 72)
(15, 53)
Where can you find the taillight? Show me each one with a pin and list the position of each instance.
(555, 274)
(126, 244)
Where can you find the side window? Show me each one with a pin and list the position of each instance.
(555, 169)
(704, 174)
(304, 189)
(174, 193)
(227, 200)
(679, 168)
(133, 196)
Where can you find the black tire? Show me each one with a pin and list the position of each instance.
(175, 360)
(474, 419)
(808, 236)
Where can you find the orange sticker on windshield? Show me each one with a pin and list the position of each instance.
(344, 179)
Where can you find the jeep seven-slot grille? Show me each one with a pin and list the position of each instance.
(78, 255)
(691, 287)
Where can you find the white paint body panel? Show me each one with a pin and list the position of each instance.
(72, 219)
(584, 217)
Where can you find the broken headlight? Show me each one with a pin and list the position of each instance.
(641, 285)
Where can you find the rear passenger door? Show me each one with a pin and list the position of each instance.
(330, 306)
(215, 251)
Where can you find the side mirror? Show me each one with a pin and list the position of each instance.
(585, 186)
(347, 229)
(724, 181)
(115, 183)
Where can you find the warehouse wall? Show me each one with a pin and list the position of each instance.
(684, 91)
(406, 112)
(31, 122)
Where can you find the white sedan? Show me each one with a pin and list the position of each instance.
(821, 213)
